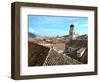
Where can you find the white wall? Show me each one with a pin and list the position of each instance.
(5, 38)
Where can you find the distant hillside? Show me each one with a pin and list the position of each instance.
(31, 35)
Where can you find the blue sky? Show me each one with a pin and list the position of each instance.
(56, 25)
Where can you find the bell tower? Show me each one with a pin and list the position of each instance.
(72, 32)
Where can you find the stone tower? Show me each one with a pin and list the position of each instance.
(72, 32)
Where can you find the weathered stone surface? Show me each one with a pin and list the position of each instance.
(55, 58)
(36, 54)
(70, 61)
(43, 56)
